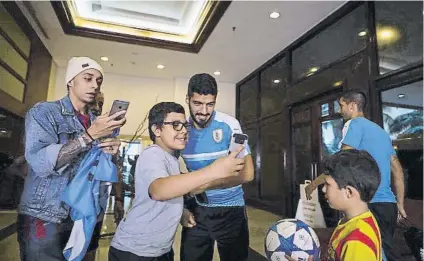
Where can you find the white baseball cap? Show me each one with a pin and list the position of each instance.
(77, 65)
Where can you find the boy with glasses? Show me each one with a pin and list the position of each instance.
(148, 231)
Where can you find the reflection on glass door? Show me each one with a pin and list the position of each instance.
(402, 113)
(331, 136)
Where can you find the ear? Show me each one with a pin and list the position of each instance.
(350, 191)
(156, 130)
(187, 99)
(71, 83)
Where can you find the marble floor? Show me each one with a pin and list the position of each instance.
(259, 221)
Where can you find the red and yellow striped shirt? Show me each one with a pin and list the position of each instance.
(358, 239)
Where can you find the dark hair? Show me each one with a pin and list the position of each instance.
(357, 97)
(356, 168)
(202, 84)
(158, 113)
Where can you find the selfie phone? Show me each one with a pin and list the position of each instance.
(236, 140)
(119, 106)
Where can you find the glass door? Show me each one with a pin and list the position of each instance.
(316, 133)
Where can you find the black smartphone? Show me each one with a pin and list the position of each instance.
(119, 106)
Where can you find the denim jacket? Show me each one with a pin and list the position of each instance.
(48, 126)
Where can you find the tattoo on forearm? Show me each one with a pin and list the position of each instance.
(395, 159)
(69, 151)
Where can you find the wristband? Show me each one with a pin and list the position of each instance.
(88, 134)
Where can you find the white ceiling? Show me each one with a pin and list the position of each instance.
(174, 17)
(234, 53)
(413, 94)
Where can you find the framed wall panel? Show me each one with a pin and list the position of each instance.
(12, 58)
(274, 81)
(399, 32)
(9, 28)
(11, 85)
(248, 106)
(341, 39)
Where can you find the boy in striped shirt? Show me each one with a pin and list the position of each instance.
(352, 178)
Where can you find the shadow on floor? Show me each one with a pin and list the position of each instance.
(255, 256)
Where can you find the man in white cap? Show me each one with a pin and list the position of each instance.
(57, 136)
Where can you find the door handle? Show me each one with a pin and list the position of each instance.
(312, 171)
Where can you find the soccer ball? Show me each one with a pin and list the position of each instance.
(291, 237)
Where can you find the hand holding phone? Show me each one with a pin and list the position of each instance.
(118, 106)
(237, 140)
(105, 125)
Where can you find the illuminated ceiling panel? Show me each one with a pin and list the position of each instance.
(176, 25)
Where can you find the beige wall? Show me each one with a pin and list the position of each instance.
(142, 94)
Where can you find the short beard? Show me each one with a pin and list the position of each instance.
(202, 124)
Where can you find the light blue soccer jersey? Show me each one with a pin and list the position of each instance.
(205, 146)
(363, 134)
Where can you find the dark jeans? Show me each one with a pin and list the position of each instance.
(226, 225)
(386, 215)
(44, 241)
(118, 255)
(40, 240)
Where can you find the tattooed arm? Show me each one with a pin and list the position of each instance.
(43, 151)
(71, 149)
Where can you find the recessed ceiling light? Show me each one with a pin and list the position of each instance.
(104, 58)
(160, 66)
(276, 81)
(338, 83)
(313, 69)
(401, 96)
(362, 33)
(274, 15)
(217, 73)
(387, 35)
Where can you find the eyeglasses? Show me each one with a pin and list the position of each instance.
(177, 125)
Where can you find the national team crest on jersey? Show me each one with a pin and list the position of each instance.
(217, 135)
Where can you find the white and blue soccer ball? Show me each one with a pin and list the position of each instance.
(291, 237)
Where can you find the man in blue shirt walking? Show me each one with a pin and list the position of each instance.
(362, 134)
(218, 213)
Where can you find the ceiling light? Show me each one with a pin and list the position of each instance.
(274, 15)
(313, 69)
(362, 33)
(217, 73)
(104, 58)
(338, 83)
(401, 96)
(387, 35)
(276, 81)
(160, 66)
